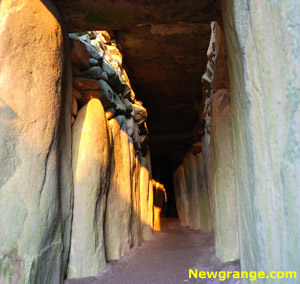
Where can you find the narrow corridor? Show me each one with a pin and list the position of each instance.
(165, 259)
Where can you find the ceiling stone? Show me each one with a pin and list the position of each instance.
(164, 44)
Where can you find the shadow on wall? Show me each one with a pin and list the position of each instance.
(113, 196)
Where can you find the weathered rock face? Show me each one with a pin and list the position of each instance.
(146, 200)
(191, 193)
(136, 236)
(226, 230)
(91, 170)
(108, 14)
(265, 36)
(118, 211)
(35, 144)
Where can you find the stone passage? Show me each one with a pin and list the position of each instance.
(204, 181)
(78, 187)
(166, 259)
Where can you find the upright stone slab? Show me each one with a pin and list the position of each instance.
(208, 172)
(181, 196)
(136, 238)
(144, 199)
(204, 204)
(189, 163)
(263, 39)
(35, 144)
(226, 231)
(150, 196)
(91, 171)
(118, 212)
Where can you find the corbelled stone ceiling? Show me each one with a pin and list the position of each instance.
(164, 45)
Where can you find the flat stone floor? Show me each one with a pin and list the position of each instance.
(165, 259)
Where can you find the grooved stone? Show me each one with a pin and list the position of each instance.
(35, 144)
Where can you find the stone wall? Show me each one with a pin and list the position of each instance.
(191, 193)
(113, 195)
(36, 184)
(205, 182)
(263, 39)
(71, 198)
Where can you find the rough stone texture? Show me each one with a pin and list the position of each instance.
(181, 198)
(265, 36)
(226, 230)
(76, 94)
(145, 200)
(84, 84)
(191, 193)
(208, 172)
(91, 171)
(106, 101)
(136, 236)
(164, 48)
(103, 14)
(204, 205)
(118, 212)
(79, 54)
(166, 76)
(35, 144)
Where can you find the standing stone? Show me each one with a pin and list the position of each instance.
(204, 205)
(226, 231)
(144, 199)
(91, 167)
(118, 212)
(182, 204)
(150, 195)
(35, 144)
(135, 187)
(208, 172)
(265, 36)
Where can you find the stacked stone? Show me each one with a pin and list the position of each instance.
(113, 196)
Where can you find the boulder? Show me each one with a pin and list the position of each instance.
(35, 144)
(110, 113)
(104, 76)
(92, 51)
(128, 106)
(120, 107)
(118, 211)
(106, 67)
(76, 94)
(79, 54)
(83, 84)
(93, 62)
(91, 173)
(106, 88)
(139, 113)
(106, 101)
(76, 71)
(74, 106)
(93, 72)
